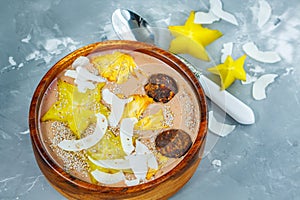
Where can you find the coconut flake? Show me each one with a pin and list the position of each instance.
(226, 51)
(83, 78)
(260, 85)
(126, 133)
(117, 106)
(218, 128)
(11, 61)
(144, 150)
(205, 18)
(216, 8)
(257, 69)
(83, 85)
(81, 61)
(132, 182)
(27, 39)
(262, 56)
(138, 165)
(111, 164)
(108, 178)
(249, 79)
(89, 141)
(216, 163)
(264, 13)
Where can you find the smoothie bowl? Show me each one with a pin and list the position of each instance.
(118, 120)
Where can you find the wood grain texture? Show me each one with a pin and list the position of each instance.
(160, 188)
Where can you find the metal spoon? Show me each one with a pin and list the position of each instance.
(130, 26)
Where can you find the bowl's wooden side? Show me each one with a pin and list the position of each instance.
(160, 188)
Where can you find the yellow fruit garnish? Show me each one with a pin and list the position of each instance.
(108, 148)
(115, 67)
(192, 38)
(137, 106)
(75, 108)
(230, 70)
(151, 122)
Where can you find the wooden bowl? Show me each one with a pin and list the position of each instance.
(159, 188)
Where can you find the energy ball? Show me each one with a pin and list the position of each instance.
(161, 87)
(173, 143)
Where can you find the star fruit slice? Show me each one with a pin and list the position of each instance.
(230, 70)
(115, 67)
(75, 108)
(192, 38)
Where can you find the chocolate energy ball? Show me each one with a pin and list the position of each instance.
(173, 143)
(161, 87)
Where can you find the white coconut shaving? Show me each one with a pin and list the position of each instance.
(142, 149)
(218, 128)
(205, 18)
(249, 79)
(260, 85)
(264, 13)
(262, 56)
(11, 61)
(111, 164)
(126, 133)
(226, 51)
(216, 163)
(88, 141)
(107, 178)
(83, 77)
(139, 162)
(26, 39)
(138, 165)
(117, 106)
(257, 69)
(216, 8)
(80, 61)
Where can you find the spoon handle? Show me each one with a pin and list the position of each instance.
(234, 107)
(227, 102)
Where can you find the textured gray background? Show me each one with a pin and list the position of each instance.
(261, 161)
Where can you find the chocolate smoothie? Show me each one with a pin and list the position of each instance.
(165, 128)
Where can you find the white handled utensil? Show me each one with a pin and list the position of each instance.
(125, 21)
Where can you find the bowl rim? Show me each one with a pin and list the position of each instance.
(141, 47)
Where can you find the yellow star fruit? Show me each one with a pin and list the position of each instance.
(192, 38)
(230, 70)
(151, 122)
(75, 108)
(115, 67)
(137, 106)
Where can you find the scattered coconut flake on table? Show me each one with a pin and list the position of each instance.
(11, 61)
(108, 178)
(216, 8)
(260, 85)
(27, 39)
(117, 106)
(24, 132)
(249, 79)
(216, 163)
(264, 13)
(262, 56)
(226, 51)
(205, 18)
(126, 133)
(257, 69)
(218, 128)
(88, 141)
